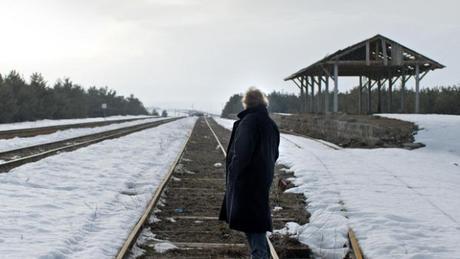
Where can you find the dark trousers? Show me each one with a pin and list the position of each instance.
(258, 245)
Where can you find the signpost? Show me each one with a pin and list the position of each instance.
(104, 107)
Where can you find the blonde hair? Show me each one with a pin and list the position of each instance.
(254, 97)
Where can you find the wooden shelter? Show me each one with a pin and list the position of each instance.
(376, 61)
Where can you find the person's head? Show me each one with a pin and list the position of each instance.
(254, 97)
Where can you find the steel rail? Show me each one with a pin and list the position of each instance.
(273, 253)
(98, 137)
(325, 143)
(355, 245)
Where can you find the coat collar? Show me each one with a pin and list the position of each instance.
(259, 108)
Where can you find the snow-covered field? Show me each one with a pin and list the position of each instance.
(14, 143)
(439, 132)
(400, 203)
(45, 123)
(83, 204)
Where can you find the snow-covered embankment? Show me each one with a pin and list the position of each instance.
(400, 203)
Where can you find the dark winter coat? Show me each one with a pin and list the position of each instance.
(251, 157)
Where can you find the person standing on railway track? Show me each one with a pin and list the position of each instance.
(251, 156)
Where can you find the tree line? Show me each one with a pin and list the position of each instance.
(34, 100)
(278, 102)
(441, 100)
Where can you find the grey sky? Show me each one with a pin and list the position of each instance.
(179, 53)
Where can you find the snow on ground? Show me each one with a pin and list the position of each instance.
(14, 143)
(400, 203)
(83, 204)
(439, 132)
(284, 114)
(45, 123)
(226, 123)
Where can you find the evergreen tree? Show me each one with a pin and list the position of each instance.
(442, 100)
(21, 101)
(8, 103)
(233, 106)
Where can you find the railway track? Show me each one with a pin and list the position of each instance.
(17, 157)
(181, 219)
(31, 132)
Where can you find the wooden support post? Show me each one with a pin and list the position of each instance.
(302, 95)
(403, 93)
(360, 96)
(384, 52)
(368, 56)
(369, 95)
(319, 98)
(312, 95)
(379, 96)
(305, 97)
(326, 96)
(336, 88)
(417, 88)
(377, 51)
(390, 94)
(300, 86)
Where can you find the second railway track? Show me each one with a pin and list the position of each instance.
(181, 220)
(31, 132)
(13, 158)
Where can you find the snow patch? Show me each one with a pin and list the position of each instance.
(217, 165)
(226, 123)
(291, 229)
(277, 208)
(164, 247)
(438, 132)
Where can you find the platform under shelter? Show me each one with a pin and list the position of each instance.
(376, 61)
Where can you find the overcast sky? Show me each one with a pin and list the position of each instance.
(179, 53)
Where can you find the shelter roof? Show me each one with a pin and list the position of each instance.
(376, 57)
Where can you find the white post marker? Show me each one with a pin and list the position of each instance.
(104, 107)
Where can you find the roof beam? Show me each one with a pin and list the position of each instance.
(298, 85)
(423, 75)
(378, 62)
(368, 56)
(370, 63)
(326, 71)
